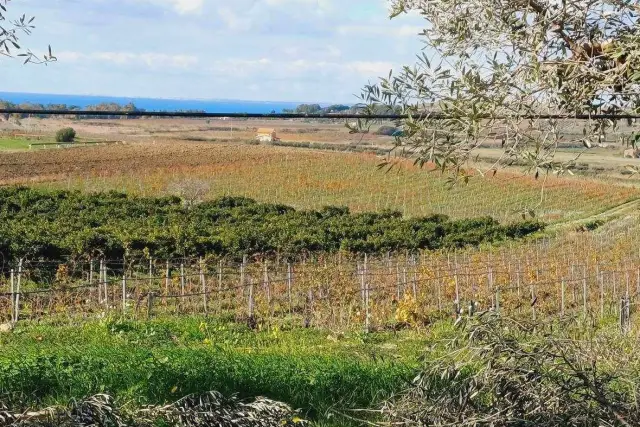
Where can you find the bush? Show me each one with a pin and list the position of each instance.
(509, 372)
(36, 224)
(65, 135)
(386, 130)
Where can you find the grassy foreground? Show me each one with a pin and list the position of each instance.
(158, 361)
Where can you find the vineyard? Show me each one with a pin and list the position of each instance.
(307, 179)
(593, 276)
(150, 272)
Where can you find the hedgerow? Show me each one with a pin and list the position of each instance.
(40, 224)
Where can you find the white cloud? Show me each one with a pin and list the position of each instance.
(378, 31)
(148, 59)
(262, 68)
(234, 21)
(180, 6)
(187, 6)
(370, 68)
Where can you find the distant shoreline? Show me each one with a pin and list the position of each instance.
(153, 104)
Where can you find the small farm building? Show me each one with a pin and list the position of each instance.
(266, 135)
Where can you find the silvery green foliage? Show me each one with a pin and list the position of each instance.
(504, 372)
(493, 67)
(210, 409)
(11, 30)
(213, 409)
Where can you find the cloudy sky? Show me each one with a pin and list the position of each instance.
(277, 50)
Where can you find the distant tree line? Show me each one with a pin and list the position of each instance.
(316, 109)
(103, 106)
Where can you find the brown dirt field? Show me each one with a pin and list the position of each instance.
(55, 164)
(200, 129)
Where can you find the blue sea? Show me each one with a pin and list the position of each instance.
(153, 104)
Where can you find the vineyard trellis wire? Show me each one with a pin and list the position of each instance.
(337, 291)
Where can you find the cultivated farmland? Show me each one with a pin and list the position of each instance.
(150, 257)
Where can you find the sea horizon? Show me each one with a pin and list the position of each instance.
(157, 104)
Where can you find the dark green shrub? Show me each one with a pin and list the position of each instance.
(59, 224)
(65, 135)
(386, 130)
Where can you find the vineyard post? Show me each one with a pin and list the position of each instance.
(106, 285)
(457, 302)
(266, 283)
(366, 293)
(614, 295)
(601, 283)
(289, 286)
(573, 284)
(489, 281)
(627, 314)
(251, 302)
(533, 302)
(182, 278)
(397, 281)
(219, 286)
(150, 273)
(404, 279)
(439, 289)
(360, 273)
(18, 282)
(497, 288)
(203, 282)
(562, 292)
(584, 290)
(415, 279)
(638, 282)
(518, 285)
(91, 279)
(124, 292)
(309, 309)
(100, 282)
(13, 297)
(243, 284)
(622, 319)
(150, 297)
(167, 281)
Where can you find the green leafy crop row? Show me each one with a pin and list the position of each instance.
(58, 224)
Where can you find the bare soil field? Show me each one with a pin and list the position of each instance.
(214, 130)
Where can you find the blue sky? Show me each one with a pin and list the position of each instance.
(277, 50)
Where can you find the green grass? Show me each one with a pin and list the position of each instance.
(147, 362)
(9, 144)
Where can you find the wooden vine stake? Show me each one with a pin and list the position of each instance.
(18, 282)
(124, 293)
(365, 285)
(182, 286)
(220, 286)
(266, 283)
(106, 285)
(150, 297)
(167, 281)
(13, 297)
(584, 291)
(533, 302)
(91, 279)
(289, 286)
(601, 283)
(562, 294)
(203, 283)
